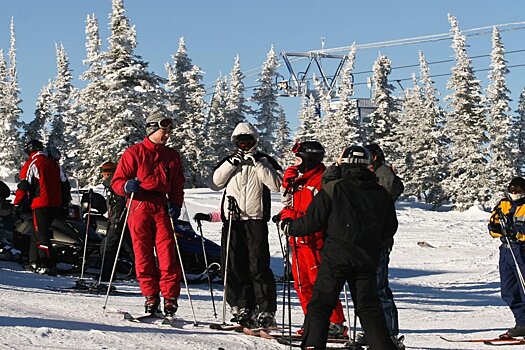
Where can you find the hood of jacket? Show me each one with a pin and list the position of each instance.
(245, 128)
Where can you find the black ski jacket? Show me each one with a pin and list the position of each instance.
(359, 217)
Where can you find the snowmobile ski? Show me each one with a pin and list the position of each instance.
(482, 340)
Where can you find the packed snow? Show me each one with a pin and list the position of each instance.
(443, 272)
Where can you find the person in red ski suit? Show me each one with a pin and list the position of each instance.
(153, 172)
(45, 186)
(301, 182)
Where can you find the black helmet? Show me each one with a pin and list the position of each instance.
(311, 153)
(53, 152)
(517, 185)
(378, 156)
(33, 146)
(98, 202)
(357, 155)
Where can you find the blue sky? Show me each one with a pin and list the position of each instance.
(216, 31)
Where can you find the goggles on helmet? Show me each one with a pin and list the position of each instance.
(163, 124)
(296, 147)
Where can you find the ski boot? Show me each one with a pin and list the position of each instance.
(151, 305)
(266, 319)
(246, 318)
(516, 331)
(337, 330)
(170, 307)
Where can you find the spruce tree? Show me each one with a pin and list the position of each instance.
(122, 98)
(10, 127)
(309, 121)
(341, 126)
(187, 103)
(237, 108)
(384, 119)
(519, 134)
(282, 144)
(267, 110)
(503, 144)
(466, 127)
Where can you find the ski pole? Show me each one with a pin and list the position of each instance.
(87, 232)
(289, 290)
(231, 208)
(183, 273)
(105, 243)
(285, 268)
(347, 305)
(199, 226)
(128, 209)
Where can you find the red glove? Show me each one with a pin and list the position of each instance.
(287, 213)
(289, 175)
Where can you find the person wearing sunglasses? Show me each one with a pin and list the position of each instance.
(152, 172)
(248, 176)
(507, 223)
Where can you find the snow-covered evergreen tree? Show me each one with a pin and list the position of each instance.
(341, 126)
(434, 144)
(237, 108)
(267, 110)
(309, 121)
(519, 134)
(187, 103)
(121, 100)
(503, 146)
(10, 126)
(282, 144)
(63, 116)
(466, 127)
(385, 118)
(36, 129)
(217, 142)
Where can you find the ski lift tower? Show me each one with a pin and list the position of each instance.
(298, 82)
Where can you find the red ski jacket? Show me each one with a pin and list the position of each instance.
(305, 187)
(157, 167)
(44, 176)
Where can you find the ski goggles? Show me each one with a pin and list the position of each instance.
(296, 147)
(245, 141)
(163, 124)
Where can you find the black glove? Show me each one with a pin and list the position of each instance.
(236, 158)
(276, 218)
(173, 211)
(202, 217)
(16, 213)
(285, 223)
(132, 186)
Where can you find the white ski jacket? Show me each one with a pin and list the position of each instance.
(250, 182)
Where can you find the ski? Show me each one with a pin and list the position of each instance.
(513, 341)
(297, 344)
(294, 337)
(139, 319)
(76, 289)
(481, 340)
(226, 327)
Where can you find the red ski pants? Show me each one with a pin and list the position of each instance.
(151, 229)
(309, 260)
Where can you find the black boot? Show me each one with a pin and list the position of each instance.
(170, 307)
(151, 305)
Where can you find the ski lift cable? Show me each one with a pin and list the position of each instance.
(414, 40)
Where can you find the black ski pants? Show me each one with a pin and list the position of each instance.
(110, 248)
(363, 288)
(250, 281)
(41, 252)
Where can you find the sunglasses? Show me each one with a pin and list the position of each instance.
(162, 124)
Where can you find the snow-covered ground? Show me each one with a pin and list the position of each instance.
(443, 272)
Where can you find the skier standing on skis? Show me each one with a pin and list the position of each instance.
(153, 172)
(508, 223)
(359, 217)
(301, 182)
(45, 186)
(116, 208)
(248, 176)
